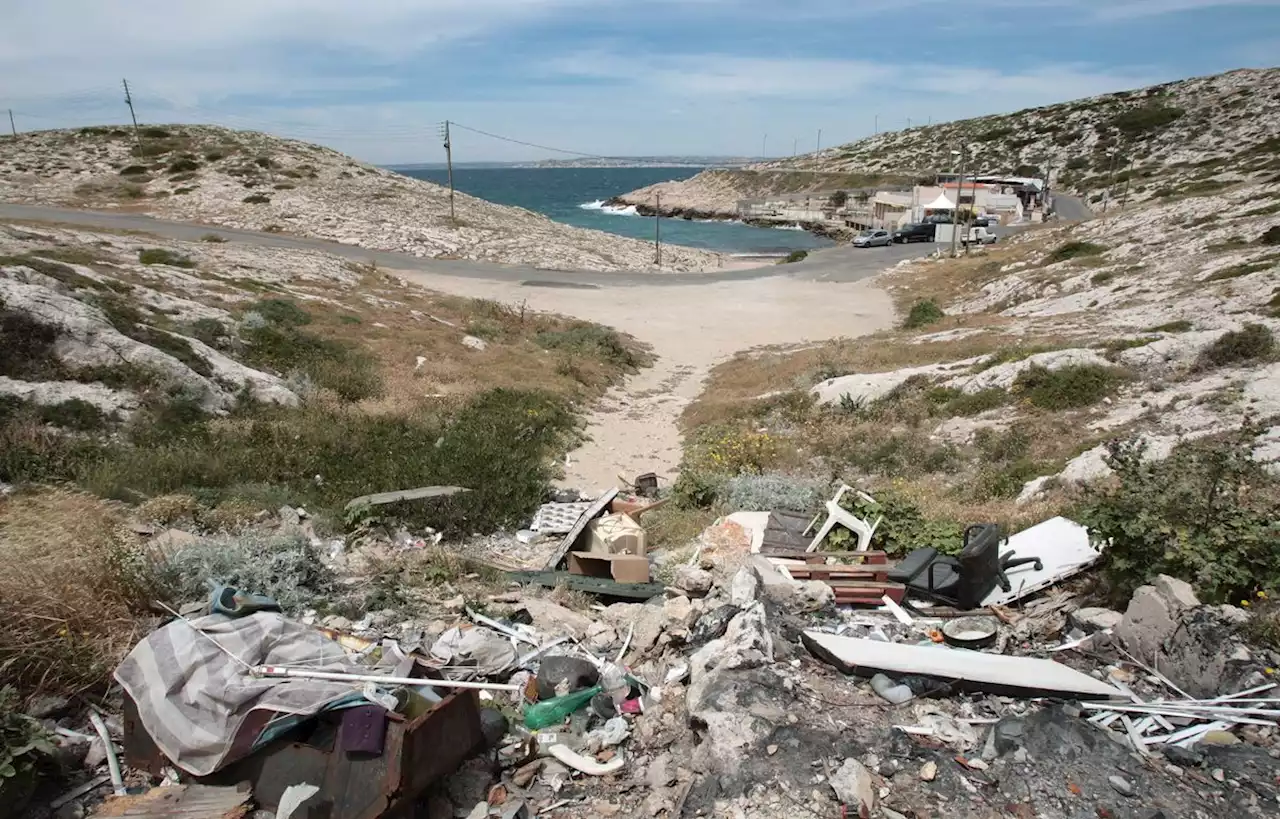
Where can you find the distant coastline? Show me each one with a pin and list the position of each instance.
(589, 162)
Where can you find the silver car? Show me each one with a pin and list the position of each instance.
(873, 238)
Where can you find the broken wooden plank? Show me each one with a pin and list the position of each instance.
(1026, 674)
(421, 493)
(591, 585)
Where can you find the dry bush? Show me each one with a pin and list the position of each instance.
(74, 583)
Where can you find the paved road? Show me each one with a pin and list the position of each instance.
(1071, 208)
(837, 264)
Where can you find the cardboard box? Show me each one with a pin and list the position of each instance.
(622, 568)
(616, 535)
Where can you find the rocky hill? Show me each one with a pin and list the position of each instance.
(1194, 136)
(260, 182)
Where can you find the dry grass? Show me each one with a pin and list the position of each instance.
(72, 589)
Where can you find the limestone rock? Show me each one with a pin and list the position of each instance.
(1178, 593)
(1092, 618)
(855, 786)
(473, 343)
(693, 581)
(552, 620)
(1147, 622)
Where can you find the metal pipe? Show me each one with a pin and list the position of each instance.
(342, 676)
(113, 761)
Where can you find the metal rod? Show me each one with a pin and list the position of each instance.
(342, 676)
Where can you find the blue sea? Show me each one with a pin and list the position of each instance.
(576, 196)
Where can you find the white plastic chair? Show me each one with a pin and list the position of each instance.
(836, 514)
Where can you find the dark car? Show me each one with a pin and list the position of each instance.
(913, 233)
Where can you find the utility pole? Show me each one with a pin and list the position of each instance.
(908, 123)
(12, 127)
(448, 158)
(1125, 200)
(128, 100)
(657, 229)
(955, 217)
(818, 149)
(764, 146)
(1111, 175)
(877, 124)
(794, 142)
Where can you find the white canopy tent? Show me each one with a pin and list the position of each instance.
(941, 203)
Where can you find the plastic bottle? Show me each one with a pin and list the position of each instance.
(896, 693)
(555, 710)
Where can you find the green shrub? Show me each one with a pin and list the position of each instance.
(159, 255)
(25, 748)
(284, 567)
(153, 132)
(281, 312)
(1206, 514)
(256, 199)
(209, 331)
(74, 413)
(134, 170)
(211, 238)
(1271, 236)
(1075, 250)
(1152, 116)
(904, 526)
(594, 341)
(183, 166)
(1179, 326)
(923, 313)
(1102, 277)
(54, 270)
(1070, 387)
(967, 404)
(28, 347)
(795, 256)
(1249, 343)
(339, 366)
(1235, 271)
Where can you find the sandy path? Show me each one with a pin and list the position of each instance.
(634, 429)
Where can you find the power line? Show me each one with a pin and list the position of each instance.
(528, 144)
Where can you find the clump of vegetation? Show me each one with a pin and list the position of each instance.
(1206, 514)
(1179, 326)
(282, 312)
(966, 404)
(275, 340)
(714, 456)
(903, 527)
(795, 256)
(211, 238)
(1271, 236)
(74, 581)
(1075, 250)
(838, 199)
(763, 493)
(1070, 387)
(183, 166)
(1142, 121)
(256, 199)
(25, 747)
(593, 341)
(134, 170)
(74, 413)
(1250, 343)
(1102, 277)
(284, 567)
(1237, 270)
(923, 313)
(160, 255)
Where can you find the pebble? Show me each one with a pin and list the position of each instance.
(1219, 774)
(771, 750)
(1122, 786)
(929, 771)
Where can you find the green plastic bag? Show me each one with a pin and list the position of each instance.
(557, 709)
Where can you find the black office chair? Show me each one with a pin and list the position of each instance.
(965, 580)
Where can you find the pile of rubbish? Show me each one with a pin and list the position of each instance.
(772, 677)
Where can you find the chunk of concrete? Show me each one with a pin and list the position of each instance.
(680, 613)
(551, 619)
(1147, 623)
(855, 787)
(693, 581)
(1177, 592)
(1094, 618)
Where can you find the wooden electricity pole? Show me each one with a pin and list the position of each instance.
(448, 157)
(818, 149)
(128, 100)
(12, 127)
(657, 229)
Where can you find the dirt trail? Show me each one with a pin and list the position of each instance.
(692, 328)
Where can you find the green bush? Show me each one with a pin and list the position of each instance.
(209, 331)
(1075, 250)
(1070, 387)
(1179, 326)
(284, 567)
(28, 347)
(25, 747)
(281, 312)
(74, 413)
(904, 526)
(795, 256)
(1271, 236)
(134, 170)
(211, 238)
(256, 199)
(183, 166)
(594, 341)
(1208, 514)
(349, 371)
(159, 255)
(1249, 343)
(967, 404)
(923, 313)
(1150, 117)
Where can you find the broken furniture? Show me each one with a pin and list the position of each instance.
(965, 580)
(1064, 550)
(414, 753)
(988, 671)
(622, 568)
(865, 582)
(836, 514)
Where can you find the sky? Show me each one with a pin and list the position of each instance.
(375, 78)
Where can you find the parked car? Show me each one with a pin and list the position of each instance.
(914, 233)
(873, 238)
(986, 221)
(978, 236)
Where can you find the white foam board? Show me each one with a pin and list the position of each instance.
(962, 664)
(1062, 546)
